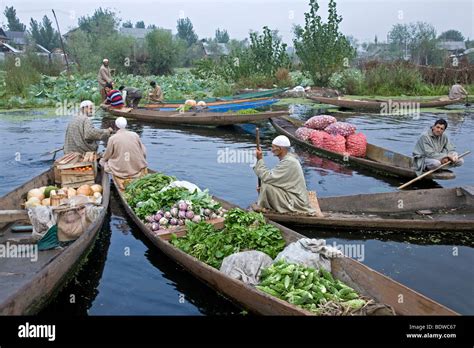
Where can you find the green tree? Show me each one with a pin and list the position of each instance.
(416, 41)
(268, 52)
(102, 22)
(163, 51)
(322, 49)
(423, 47)
(152, 26)
(14, 23)
(140, 24)
(44, 33)
(186, 31)
(222, 36)
(451, 35)
(127, 24)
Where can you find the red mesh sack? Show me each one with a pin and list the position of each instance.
(356, 145)
(303, 133)
(320, 122)
(341, 128)
(317, 138)
(335, 143)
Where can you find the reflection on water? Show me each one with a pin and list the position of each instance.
(147, 282)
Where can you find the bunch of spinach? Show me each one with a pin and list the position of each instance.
(243, 231)
(142, 190)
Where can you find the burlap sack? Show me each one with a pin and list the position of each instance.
(72, 222)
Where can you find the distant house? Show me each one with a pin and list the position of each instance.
(3, 36)
(453, 47)
(17, 39)
(215, 49)
(137, 33)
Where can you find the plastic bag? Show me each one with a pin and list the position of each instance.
(246, 265)
(309, 252)
(186, 184)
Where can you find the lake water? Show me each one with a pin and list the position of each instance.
(126, 275)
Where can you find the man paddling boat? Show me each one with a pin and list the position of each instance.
(81, 135)
(125, 156)
(156, 94)
(283, 189)
(434, 149)
(457, 91)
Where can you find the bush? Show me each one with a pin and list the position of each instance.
(222, 89)
(349, 81)
(20, 74)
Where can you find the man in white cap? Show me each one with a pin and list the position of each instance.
(81, 135)
(103, 77)
(125, 156)
(283, 189)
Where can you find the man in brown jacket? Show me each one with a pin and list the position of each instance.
(103, 77)
(125, 156)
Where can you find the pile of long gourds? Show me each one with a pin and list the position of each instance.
(311, 289)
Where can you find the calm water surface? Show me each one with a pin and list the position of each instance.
(125, 275)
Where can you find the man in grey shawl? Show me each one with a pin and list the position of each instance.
(433, 149)
(283, 189)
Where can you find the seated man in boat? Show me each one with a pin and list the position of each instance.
(114, 97)
(457, 92)
(131, 95)
(81, 136)
(156, 94)
(125, 156)
(434, 148)
(283, 189)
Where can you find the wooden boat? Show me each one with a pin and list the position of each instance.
(251, 95)
(440, 210)
(397, 106)
(378, 159)
(362, 278)
(236, 106)
(193, 118)
(26, 286)
(214, 103)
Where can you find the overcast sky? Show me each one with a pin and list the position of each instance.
(361, 18)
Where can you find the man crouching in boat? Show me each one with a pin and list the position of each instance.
(283, 189)
(81, 135)
(434, 149)
(125, 156)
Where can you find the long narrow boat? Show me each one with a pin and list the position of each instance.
(251, 104)
(438, 210)
(26, 286)
(215, 103)
(396, 106)
(252, 95)
(362, 278)
(193, 118)
(377, 159)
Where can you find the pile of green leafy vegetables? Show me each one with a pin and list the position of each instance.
(242, 231)
(311, 289)
(145, 198)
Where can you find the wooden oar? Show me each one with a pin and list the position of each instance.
(52, 152)
(431, 171)
(257, 132)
